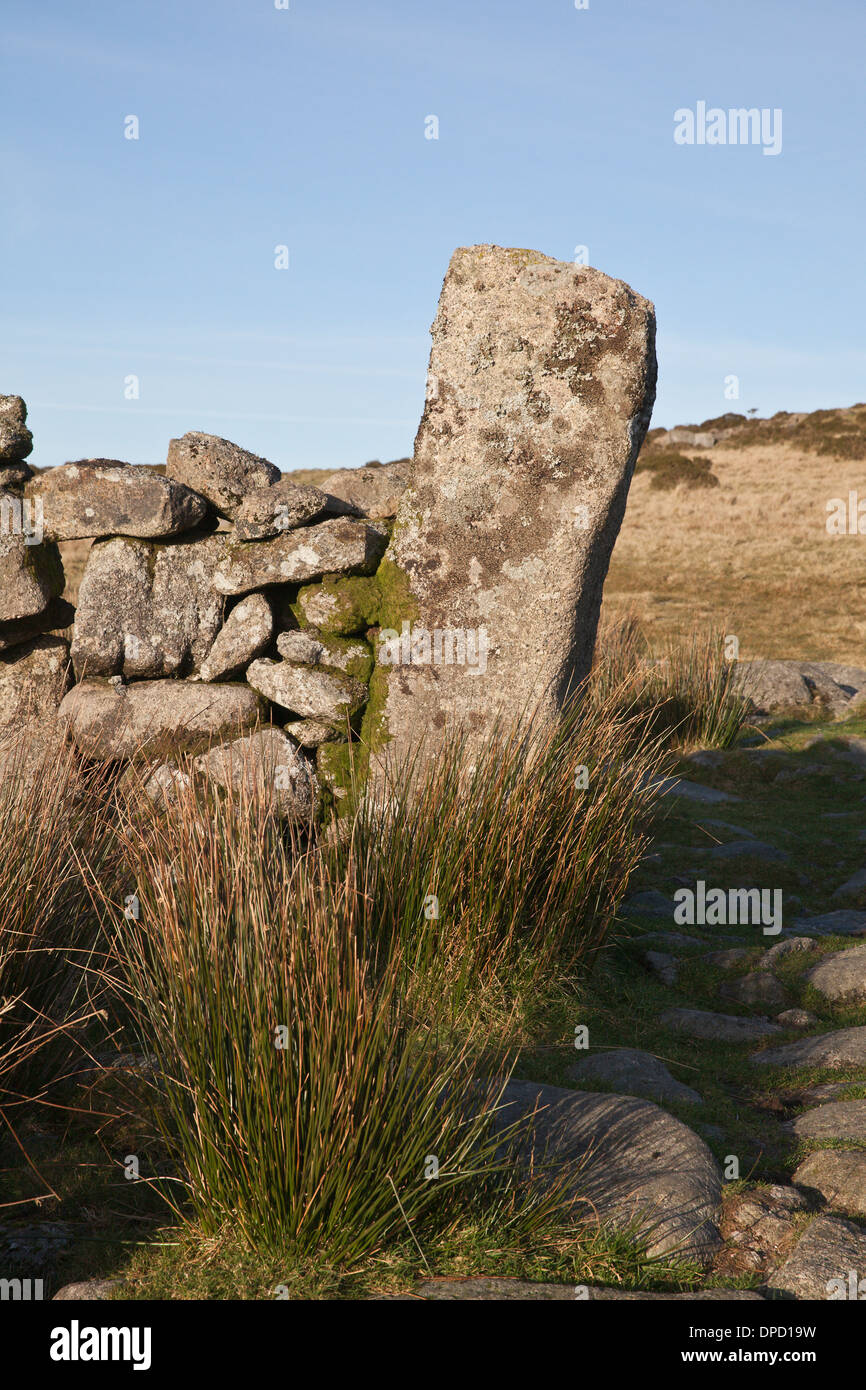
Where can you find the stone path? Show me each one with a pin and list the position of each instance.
(801, 1236)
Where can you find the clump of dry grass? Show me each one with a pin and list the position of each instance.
(685, 698)
(313, 1003)
(50, 943)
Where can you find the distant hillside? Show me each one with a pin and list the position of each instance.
(727, 522)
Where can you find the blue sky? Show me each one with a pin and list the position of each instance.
(305, 127)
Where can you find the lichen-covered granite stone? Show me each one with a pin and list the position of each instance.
(16, 441)
(34, 678)
(244, 635)
(148, 608)
(217, 469)
(284, 506)
(113, 721)
(295, 557)
(540, 388)
(31, 571)
(105, 497)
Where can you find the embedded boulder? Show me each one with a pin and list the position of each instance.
(624, 1160)
(822, 1261)
(330, 547)
(108, 720)
(540, 387)
(217, 469)
(841, 977)
(633, 1072)
(104, 497)
(244, 635)
(148, 609)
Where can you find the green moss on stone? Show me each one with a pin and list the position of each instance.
(374, 725)
(398, 603)
(352, 656)
(355, 605)
(342, 769)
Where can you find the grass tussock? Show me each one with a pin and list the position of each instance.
(314, 1005)
(686, 698)
(50, 942)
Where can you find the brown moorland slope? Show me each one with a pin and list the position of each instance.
(733, 531)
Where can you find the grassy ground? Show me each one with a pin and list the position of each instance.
(744, 553)
(119, 1229)
(801, 814)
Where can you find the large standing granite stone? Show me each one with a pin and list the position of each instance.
(109, 720)
(540, 388)
(626, 1162)
(148, 609)
(104, 497)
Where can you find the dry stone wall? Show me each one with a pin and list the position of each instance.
(225, 610)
